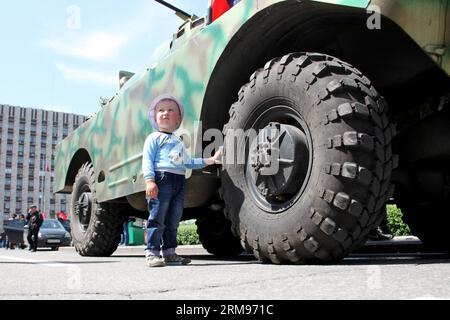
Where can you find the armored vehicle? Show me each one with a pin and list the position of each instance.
(349, 102)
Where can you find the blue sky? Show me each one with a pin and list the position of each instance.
(64, 55)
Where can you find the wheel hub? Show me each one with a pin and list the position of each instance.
(84, 204)
(277, 159)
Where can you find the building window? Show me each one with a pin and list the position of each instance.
(41, 183)
(42, 162)
(8, 161)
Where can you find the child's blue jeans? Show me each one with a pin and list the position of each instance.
(165, 214)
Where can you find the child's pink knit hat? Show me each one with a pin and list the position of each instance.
(151, 111)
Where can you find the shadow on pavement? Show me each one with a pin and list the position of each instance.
(400, 250)
(55, 262)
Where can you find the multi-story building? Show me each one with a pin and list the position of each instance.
(28, 138)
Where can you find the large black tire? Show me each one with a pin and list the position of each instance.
(95, 227)
(339, 176)
(214, 232)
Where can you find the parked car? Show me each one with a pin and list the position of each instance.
(52, 235)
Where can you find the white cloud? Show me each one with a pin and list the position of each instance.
(70, 73)
(107, 42)
(95, 46)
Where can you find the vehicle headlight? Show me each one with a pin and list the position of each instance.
(39, 234)
(67, 235)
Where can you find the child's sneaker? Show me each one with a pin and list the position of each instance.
(176, 259)
(154, 261)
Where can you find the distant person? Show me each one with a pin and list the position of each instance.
(34, 219)
(164, 165)
(382, 232)
(125, 236)
(9, 244)
(3, 239)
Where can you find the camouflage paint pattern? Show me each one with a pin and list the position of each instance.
(114, 137)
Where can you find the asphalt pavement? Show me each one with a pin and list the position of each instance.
(400, 271)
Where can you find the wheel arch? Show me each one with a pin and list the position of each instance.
(388, 56)
(80, 157)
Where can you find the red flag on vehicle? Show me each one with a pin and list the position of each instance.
(219, 7)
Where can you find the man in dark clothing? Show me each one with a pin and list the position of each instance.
(34, 219)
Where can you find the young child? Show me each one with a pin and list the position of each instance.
(164, 164)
